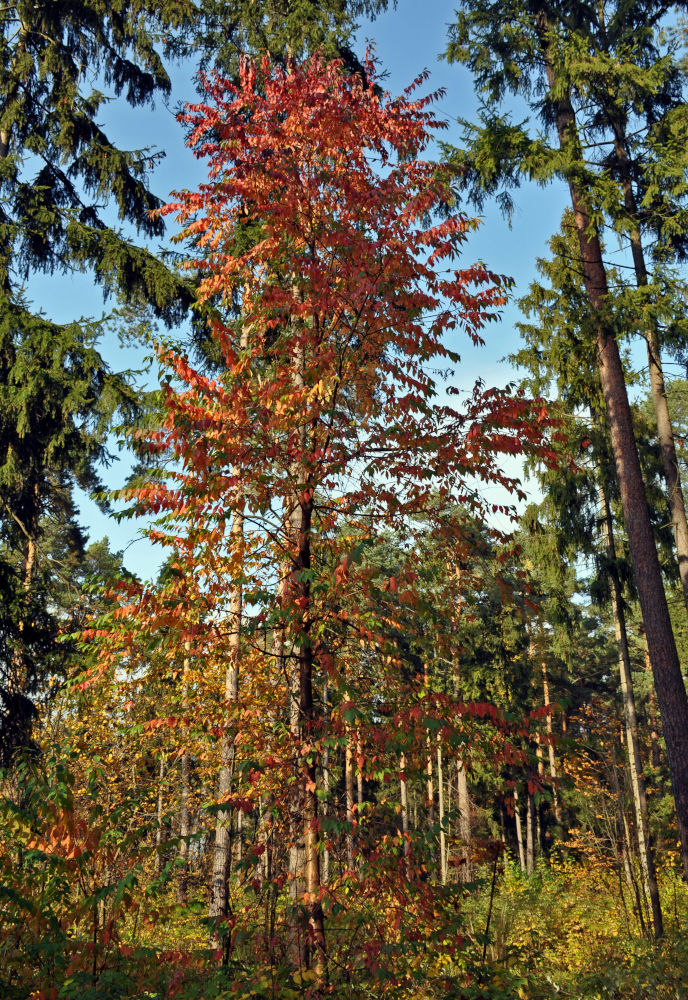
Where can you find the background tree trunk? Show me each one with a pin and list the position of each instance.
(671, 692)
(635, 766)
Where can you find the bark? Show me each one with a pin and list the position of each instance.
(159, 812)
(665, 433)
(326, 785)
(403, 798)
(301, 525)
(627, 850)
(671, 693)
(218, 909)
(440, 806)
(298, 943)
(635, 764)
(184, 790)
(530, 834)
(311, 829)
(349, 794)
(429, 784)
(655, 749)
(519, 832)
(238, 839)
(550, 746)
(464, 804)
(359, 769)
(219, 898)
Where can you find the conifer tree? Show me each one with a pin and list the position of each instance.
(559, 351)
(282, 28)
(59, 174)
(540, 53)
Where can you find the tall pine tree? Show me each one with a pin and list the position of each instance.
(59, 175)
(540, 53)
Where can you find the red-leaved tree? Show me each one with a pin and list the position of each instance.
(323, 434)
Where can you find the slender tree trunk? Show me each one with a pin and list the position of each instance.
(635, 765)
(359, 769)
(550, 745)
(671, 692)
(639, 905)
(298, 944)
(519, 832)
(218, 910)
(159, 811)
(465, 833)
(311, 831)
(326, 784)
(429, 783)
(238, 839)
(349, 794)
(403, 798)
(530, 832)
(655, 751)
(219, 889)
(300, 588)
(540, 757)
(184, 788)
(665, 433)
(17, 681)
(440, 806)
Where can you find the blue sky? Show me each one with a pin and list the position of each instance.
(408, 40)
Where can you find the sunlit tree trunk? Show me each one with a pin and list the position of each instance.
(665, 433)
(184, 787)
(635, 764)
(639, 899)
(159, 811)
(403, 798)
(530, 831)
(465, 832)
(519, 832)
(671, 692)
(550, 745)
(440, 806)
(326, 783)
(349, 794)
(219, 887)
(300, 591)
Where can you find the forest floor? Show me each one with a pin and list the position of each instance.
(569, 930)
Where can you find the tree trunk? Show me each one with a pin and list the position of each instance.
(218, 910)
(530, 832)
(326, 784)
(665, 432)
(403, 798)
(464, 804)
(635, 765)
(159, 812)
(311, 831)
(519, 832)
(429, 784)
(671, 692)
(300, 591)
(440, 806)
(639, 899)
(550, 746)
(349, 793)
(184, 789)
(298, 943)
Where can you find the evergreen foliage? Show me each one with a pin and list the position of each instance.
(62, 183)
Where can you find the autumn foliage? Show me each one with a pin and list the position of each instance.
(293, 647)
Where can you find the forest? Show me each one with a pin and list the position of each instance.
(393, 704)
